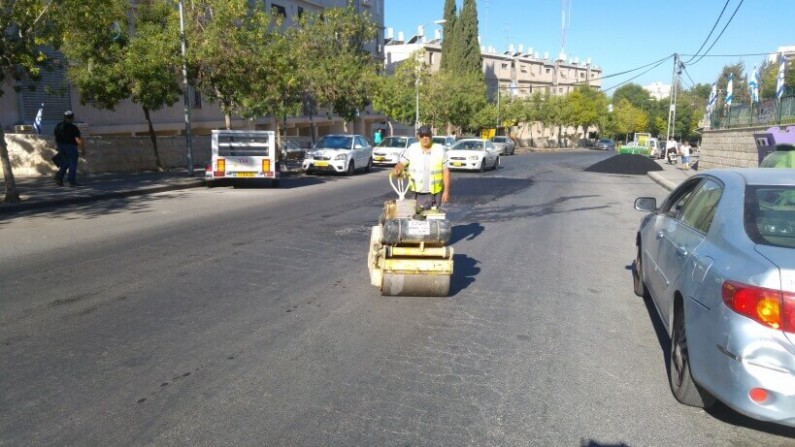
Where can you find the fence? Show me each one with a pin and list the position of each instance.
(770, 112)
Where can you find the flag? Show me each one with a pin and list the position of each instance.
(753, 86)
(37, 121)
(729, 90)
(713, 96)
(780, 82)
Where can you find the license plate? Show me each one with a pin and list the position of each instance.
(379, 158)
(244, 174)
(457, 163)
(321, 164)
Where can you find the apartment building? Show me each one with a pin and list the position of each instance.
(515, 71)
(128, 118)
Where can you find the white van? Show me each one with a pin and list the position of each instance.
(243, 155)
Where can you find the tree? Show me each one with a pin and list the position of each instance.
(394, 95)
(25, 26)
(448, 36)
(629, 118)
(587, 105)
(109, 65)
(768, 77)
(339, 72)
(453, 98)
(635, 95)
(739, 85)
(466, 34)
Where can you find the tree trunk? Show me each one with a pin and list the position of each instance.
(278, 128)
(12, 195)
(228, 121)
(153, 137)
(391, 128)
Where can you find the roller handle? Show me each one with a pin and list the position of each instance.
(399, 184)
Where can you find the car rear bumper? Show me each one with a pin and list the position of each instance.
(747, 357)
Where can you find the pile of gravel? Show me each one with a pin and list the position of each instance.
(632, 164)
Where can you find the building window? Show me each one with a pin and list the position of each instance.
(504, 65)
(280, 10)
(430, 58)
(549, 70)
(582, 75)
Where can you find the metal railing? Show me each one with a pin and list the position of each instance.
(770, 112)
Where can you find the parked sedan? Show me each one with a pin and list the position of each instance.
(504, 145)
(717, 259)
(389, 150)
(339, 153)
(475, 154)
(606, 144)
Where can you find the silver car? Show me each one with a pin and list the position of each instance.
(504, 145)
(717, 259)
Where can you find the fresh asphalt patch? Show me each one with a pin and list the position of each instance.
(632, 164)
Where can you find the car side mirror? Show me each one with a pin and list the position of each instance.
(357, 146)
(646, 204)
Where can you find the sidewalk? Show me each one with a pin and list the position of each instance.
(41, 192)
(672, 175)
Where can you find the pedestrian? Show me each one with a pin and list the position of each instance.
(685, 151)
(378, 136)
(68, 140)
(426, 164)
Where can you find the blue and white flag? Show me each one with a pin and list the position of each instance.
(713, 97)
(782, 62)
(753, 85)
(37, 121)
(730, 90)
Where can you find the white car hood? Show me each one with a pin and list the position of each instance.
(328, 152)
(463, 153)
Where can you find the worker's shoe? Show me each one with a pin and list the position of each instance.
(58, 181)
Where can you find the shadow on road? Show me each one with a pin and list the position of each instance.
(469, 231)
(464, 271)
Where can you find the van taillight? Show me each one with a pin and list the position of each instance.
(772, 308)
(266, 165)
(221, 165)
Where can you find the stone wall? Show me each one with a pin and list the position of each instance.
(30, 154)
(727, 148)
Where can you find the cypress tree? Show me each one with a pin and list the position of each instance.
(449, 35)
(471, 60)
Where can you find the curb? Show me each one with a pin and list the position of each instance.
(92, 197)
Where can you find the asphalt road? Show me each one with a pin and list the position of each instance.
(245, 317)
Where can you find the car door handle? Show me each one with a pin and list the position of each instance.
(660, 234)
(681, 251)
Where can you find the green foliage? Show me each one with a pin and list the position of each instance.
(453, 98)
(395, 95)
(469, 58)
(634, 94)
(338, 71)
(588, 106)
(629, 118)
(449, 36)
(768, 78)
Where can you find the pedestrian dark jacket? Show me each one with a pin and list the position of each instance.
(66, 133)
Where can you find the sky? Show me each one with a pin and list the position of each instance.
(622, 35)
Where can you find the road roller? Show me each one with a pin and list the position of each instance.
(409, 255)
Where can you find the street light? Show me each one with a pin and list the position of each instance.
(421, 33)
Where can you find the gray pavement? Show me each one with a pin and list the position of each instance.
(42, 192)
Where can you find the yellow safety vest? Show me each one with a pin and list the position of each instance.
(416, 170)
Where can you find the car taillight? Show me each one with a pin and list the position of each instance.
(772, 308)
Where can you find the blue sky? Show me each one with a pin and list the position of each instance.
(621, 35)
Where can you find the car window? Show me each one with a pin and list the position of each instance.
(700, 207)
(489, 145)
(335, 142)
(770, 215)
(673, 204)
(394, 142)
(361, 141)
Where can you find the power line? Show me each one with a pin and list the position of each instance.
(721, 33)
(711, 31)
(639, 75)
(730, 55)
(613, 75)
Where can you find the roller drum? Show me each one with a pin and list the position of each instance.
(395, 284)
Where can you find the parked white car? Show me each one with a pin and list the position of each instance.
(339, 154)
(475, 154)
(388, 151)
(504, 145)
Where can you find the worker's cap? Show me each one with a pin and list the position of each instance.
(68, 114)
(424, 130)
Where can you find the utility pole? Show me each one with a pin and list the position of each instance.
(672, 107)
(186, 89)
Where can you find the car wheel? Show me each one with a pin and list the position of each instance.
(482, 165)
(496, 163)
(351, 169)
(369, 165)
(684, 388)
(637, 274)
